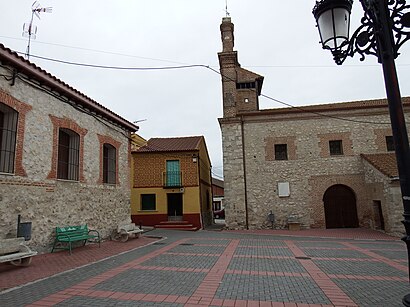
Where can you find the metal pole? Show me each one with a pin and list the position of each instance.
(18, 225)
(398, 123)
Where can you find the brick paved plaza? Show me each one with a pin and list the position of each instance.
(218, 268)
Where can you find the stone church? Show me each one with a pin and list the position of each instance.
(319, 166)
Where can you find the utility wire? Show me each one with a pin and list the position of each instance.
(302, 109)
(114, 67)
(182, 63)
(99, 51)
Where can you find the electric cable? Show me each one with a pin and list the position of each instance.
(302, 109)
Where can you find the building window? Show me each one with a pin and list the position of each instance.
(245, 85)
(68, 154)
(216, 205)
(148, 202)
(173, 174)
(336, 148)
(109, 163)
(8, 132)
(389, 143)
(281, 151)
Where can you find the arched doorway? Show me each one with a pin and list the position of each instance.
(340, 207)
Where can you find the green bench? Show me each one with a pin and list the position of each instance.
(65, 236)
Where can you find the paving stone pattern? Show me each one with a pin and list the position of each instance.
(208, 268)
(266, 265)
(198, 249)
(268, 288)
(333, 253)
(359, 268)
(392, 254)
(374, 292)
(319, 244)
(263, 251)
(107, 302)
(156, 282)
(182, 261)
(261, 242)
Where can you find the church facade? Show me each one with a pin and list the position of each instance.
(318, 166)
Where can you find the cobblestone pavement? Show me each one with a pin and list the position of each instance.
(220, 268)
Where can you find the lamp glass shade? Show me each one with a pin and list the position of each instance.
(333, 27)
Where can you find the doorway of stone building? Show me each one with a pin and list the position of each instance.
(378, 215)
(340, 207)
(175, 211)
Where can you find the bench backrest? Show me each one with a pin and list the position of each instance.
(72, 230)
(12, 245)
(127, 227)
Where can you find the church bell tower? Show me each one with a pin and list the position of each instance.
(240, 87)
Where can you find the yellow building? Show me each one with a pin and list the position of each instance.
(171, 183)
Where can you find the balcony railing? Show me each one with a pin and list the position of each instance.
(172, 179)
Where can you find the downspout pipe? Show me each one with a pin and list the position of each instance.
(244, 173)
(201, 215)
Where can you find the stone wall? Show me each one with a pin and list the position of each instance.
(234, 189)
(36, 194)
(387, 191)
(310, 170)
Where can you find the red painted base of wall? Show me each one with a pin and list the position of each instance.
(154, 219)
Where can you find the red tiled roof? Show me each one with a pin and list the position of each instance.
(189, 143)
(9, 57)
(384, 162)
(218, 182)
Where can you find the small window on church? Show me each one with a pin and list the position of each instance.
(281, 151)
(245, 85)
(336, 148)
(389, 143)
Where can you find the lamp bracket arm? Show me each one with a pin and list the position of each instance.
(378, 35)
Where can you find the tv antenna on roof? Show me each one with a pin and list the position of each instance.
(30, 30)
(226, 8)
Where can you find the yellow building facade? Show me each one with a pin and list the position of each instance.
(171, 183)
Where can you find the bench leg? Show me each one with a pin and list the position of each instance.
(22, 262)
(54, 245)
(124, 237)
(69, 246)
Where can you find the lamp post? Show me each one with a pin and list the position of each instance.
(384, 28)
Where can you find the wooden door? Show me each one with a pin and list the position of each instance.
(378, 215)
(340, 207)
(175, 208)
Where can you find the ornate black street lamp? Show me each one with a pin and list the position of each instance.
(384, 28)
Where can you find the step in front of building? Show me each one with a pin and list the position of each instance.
(176, 225)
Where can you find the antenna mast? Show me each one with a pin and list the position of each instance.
(30, 30)
(226, 8)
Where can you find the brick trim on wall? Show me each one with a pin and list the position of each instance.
(270, 142)
(22, 109)
(381, 138)
(319, 185)
(105, 139)
(66, 123)
(345, 137)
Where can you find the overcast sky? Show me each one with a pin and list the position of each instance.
(276, 39)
